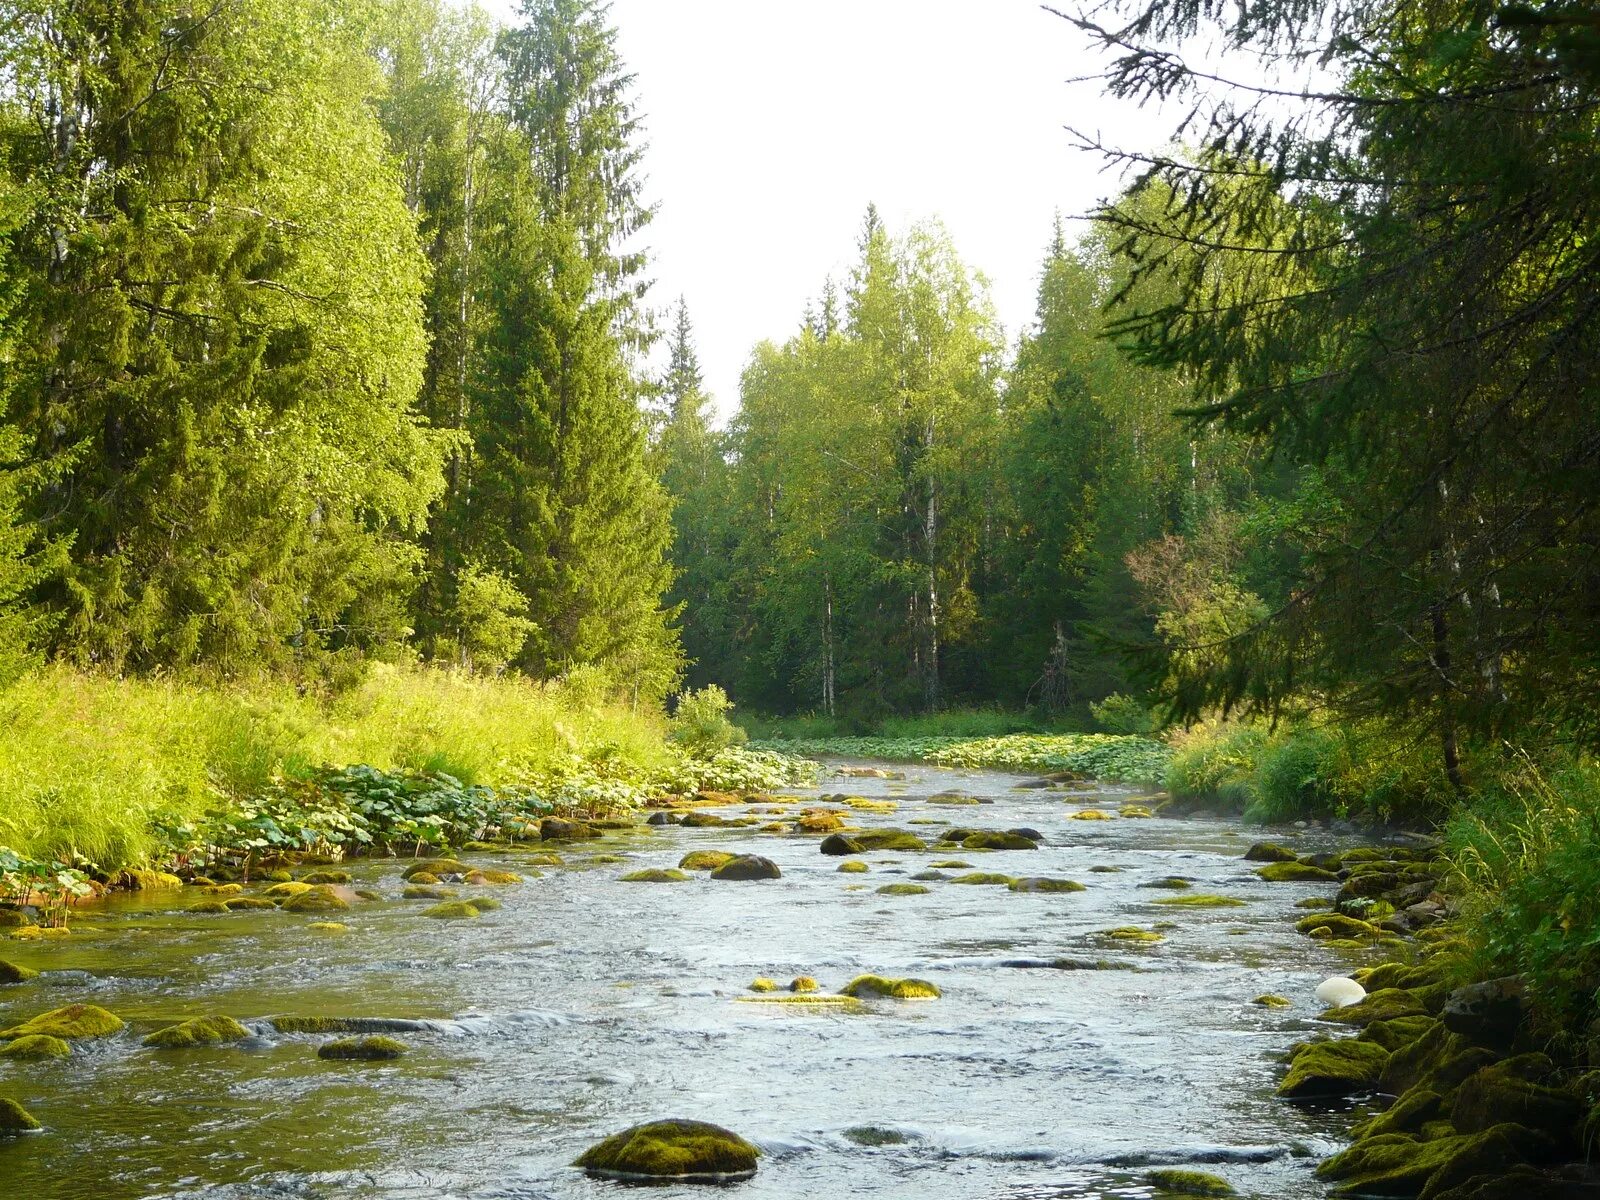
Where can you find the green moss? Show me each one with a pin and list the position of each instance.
(36, 1047)
(1505, 1092)
(985, 879)
(853, 867)
(953, 799)
(363, 1049)
(903, 889)
(453, 910)
(328, 927)
(705, 860)
(1271, 1001)
(316, 901)
(10, 918)
(804, 985)
(805, 1001)
(887, 839)
(210, 907)
(951, 864)
(991, 840)
(1408, 1114)
(1135, 812)
(437, 867)
(1178, 1182)
(1397, 1032)
(1396, 1164)
(1171, 883)
(326, 877)
(1040, 884)
(1295, 872)
(931, 877)
(422, 878)
(320, 1024)
(201, 1031)
(874, 1135)
(287, 891)
(607, 860)
(493, 878)
(417, 891)
(12, 973)
(896, 989)
(1200, 901)
(1104, 870)
(1320, 903)
(1089, 814)
(1270, 852)
(222, 889)
(1334, 925)
(673, 1149)
(544, 860)
(763, 984)
(1129, 933)
(16, 1119)
(656, 875)
(248, 904)
(1321, 1069)
(74, 1022)
(1385, 1005)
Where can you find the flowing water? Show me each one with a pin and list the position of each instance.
(586, 1005)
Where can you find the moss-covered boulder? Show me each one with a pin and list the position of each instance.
(1200, 900)
(201, 1031)
(747, 867)
(288, 891)
(248, 904)
(453, 910)
(326, 877)
(1514, 1090)
(554, 829)
(1322, 1069)
(656, 875)
(36, 1047)
(15, 1119)
(317, 900)
(1170, 883)
(329, 927)
(363, 1049)
(804, 985)
(903, 889)
(1131, 933)
(1271, 1001)
(819, 822)
(1295, 872)
(1331, 925)
(887, 839)
(211, 908)
(956, 799)
(420, 891)
(985, 879)
(1176, 1181)
(838, 845)
(11, 918)
(705, 860)
(672, 1149)
(1385, 1005)
(75, 1022)
(1040, 884)
(13, 973)
(951, 864)
(853, 866)
(1396, 1164)
(1408, 1115)
(1397, 1032)
(763, 984)
(492, 878)
(1089, 814)
(1439, 1058)
(996, 840)
(437, 867)
(1270, 852)
(895, 989)
(222, 889)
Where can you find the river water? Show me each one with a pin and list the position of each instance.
(587, 1004)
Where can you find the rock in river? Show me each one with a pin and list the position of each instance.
(691, 1151)
(748, 866)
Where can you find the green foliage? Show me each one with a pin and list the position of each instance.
(1123, 714)
(701, 724)
(489, 616)
(49, 886)
(1093, 755)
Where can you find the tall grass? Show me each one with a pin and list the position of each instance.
(90, 766)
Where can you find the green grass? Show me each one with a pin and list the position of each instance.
(955, 723)
(1092, 755)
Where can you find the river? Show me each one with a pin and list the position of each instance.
(587, 1004)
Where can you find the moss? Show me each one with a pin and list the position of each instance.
(887, 839)
(985, 879)
(1089, 814)
(1200, 901)
(544, 860)
(363, 1049)
(210, 907)
(656, 875)
(36, 1047)
(1385, 1005)
(1397, 1032)
(952, 798)
(854, 867)
(437, 867)
(1171, 883)
(1135, 812)
(1408, 1114)
(416, 891)
(453, 910)
(16, 1119)
(1270, 852)
(763, 984)
(1320, 903)
(819, 822)
(493, 878)
(201, 1031)
(326, 877)
(1179, 1182)
(903, 889)
(1321, 1069)
(705, 860)
(422, 878)
(12, 973)
(747, 867)
(804, 984)
(37, 933)
(316, 901)
(895, 989)
(1039, 884)
(1270, 1001)
(1129, 933)
(1329, 924)
(328, 927)
(1503, 1092)
(335, 1024)
(824, 1001)
(248, 904)
(991, 840)
(72, 1023)
(1398, 1165)
(673, 1149)
(10, 918)
(606, 860)
(1295, 872)
(222, 889)
(951, 864)
(931, 877)
(874, 1135)
(288, 891)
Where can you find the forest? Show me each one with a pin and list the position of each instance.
(326, 345)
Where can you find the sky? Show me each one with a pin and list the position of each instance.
(771, 126)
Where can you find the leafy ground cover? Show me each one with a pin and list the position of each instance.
(1117, 758)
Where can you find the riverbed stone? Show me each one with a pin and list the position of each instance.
(985, 879)
(248, 904)
(903, 889)
(75, 1022)
(894, 989)
(998, 841)
(672, 1149)
(1295, 872)
(1385, 1005)
(200, 1031)
(36, 1047)
(1324, 1069)
(1514, 1091)
(1270, 852)
(1179, 1181)
(887, 839)
(318, 877)
(453, 910)
(656, 875)
(439, 868)
(317, 900)
(1490, 1012)
(15, 1119)
(748, 867)
(854, 866)
(837, 844)
(492, 877)
(1200, 900)
(1398, 1165)
(13, 973)
(363, 1049)
(556, 829)
(804, 985)
(417, 891)
(705, 860)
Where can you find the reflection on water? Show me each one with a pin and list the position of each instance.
(586, 1005)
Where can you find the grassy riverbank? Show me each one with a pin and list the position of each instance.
(1117, 758)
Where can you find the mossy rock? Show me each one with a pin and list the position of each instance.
(605, 860)
(656, 875)
(700, 820)
(894, 989)
(763, 984)
(1408, 1114)
(819, 822)
(1396, 1164)
(931, 877)
(1130, 933)
(854, 867)
(316, 1025)
(248, 904)
(555, 829)
(1041, 884)
(804, 985)
(1171, 883)
(363, 1049)
(838, 845)
(1200, 900)
(950, 864)
(422, 879)
(1336, 925)
(201, 1031)
(1295, 872)
(73, 1023)
(1404, 975)
(807, 1002)
(36, 1047)
(1135, 812)
(1105, 870)
(705, 860)
(279, 876)
(137, 879)
(437, 867)
(419, 891)
(672, 1149)
(1270, 852)
(887, 839)
(212, 908)
(222, 889)
(1513, 1091)
(316, 901)
(39, 933)
(747, 867)
(288, 891)
(331, 927)
(903, 889)
(1385, 1005)
(985, 879)
(1271, 1001)
(1323, 1069)
(492, 878)
(1089, 814)
(14, 973)
(955, 799)
(1319, 903)
(327, 877)
(874, 1135)
(15, 1119)
(1397, 1032)
(544, 860)
(993, 840)
(1175, 1181)
(453, 910)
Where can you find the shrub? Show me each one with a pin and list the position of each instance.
(1123, 714)
(701, 725)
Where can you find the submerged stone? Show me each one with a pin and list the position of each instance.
(656, 875)
(317, 900)
(903, 889)
(1038, 884)
(322, 877)
(1172, 883)
(854, 867)
(951, 864)
(672, 1149)
(453, 910)
(363, 1049)
(985, 879)
(437, 867)
(36, 1047)
(16, 1119)
(72, 1023)
(201, 1031)
(894, 989)
(1271, 1001)
(1176, 1181)
(1200, 901)
(874, 1135)
(1130, 933)
(418, 891)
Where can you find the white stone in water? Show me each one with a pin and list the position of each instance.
(1340, 991)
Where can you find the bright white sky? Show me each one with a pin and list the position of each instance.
(772, 125)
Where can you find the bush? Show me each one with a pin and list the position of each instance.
(1123, 714)
(1217, 763)
(701, 726)
(1297, 777)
